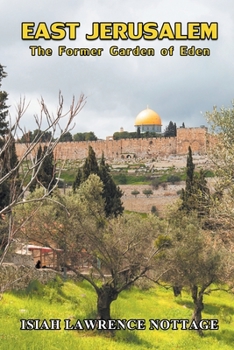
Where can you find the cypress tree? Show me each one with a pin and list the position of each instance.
(189, 172)
(8, 160)
(196, 195)
(170, 130)
(187, 193)
(78, 180)
(111, 193)
(138, 132)
(90, 165)
(46, 174)
(3, 108)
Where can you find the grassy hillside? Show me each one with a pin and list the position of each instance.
(77, 301)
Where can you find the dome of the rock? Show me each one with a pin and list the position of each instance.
(148, 120)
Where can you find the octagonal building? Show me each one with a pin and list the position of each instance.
(148, 120)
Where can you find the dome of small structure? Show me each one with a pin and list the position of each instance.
(148, 120)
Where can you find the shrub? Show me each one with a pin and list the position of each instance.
(164, 185)
(173, 179)
(147, 192)
(154, 210)
(155, 183)
(135, 193)
(122, 179)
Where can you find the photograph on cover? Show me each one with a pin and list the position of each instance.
(116, 184)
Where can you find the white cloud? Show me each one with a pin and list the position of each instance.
(118, 88)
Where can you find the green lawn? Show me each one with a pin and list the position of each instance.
(78, 301)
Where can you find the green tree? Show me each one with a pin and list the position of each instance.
(78, 180)
(196, 259)
(119, 251)
(45, 170)
(85, 136)
(91, 165)
(155, 183)
(8, 157)
(90, 136)
(135, 193)
(111, 193)
(173, 179)
(3, 108)
(36, 136)
(79, 137)
(138, 132)
(154, 210)
(170, 130)
(196, 195)
(147, 192)
(66, 137)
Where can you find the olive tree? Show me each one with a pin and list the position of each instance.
(111, 254)
(197, 260)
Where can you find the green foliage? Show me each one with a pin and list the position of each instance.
(132, 179)
(90, 166)
(85, 136)
(163, 241)
(46, 174)
(196, 195)
(173, 179)
(66, 137)
(111, 193)
(36, 135)
(135, 193)
(133, 135)
(35, 287)
(122, 179)
(3, 106)
(155, 183)
(170, 130)
(138, 132)
(154, 210)
(78, 180)
(8, 160)
(147, 192)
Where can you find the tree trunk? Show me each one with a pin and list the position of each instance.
(198, 306)
(177, 290)
(106, 295)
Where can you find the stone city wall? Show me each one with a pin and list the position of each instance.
(196, 138)
(129, 148)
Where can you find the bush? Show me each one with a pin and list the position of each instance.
(173, 179)
(122, 179)
(154, 210)
(164, 185)
(135, 193)
(155, 183)
(147, 192)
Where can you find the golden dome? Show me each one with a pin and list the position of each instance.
(148, 117)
